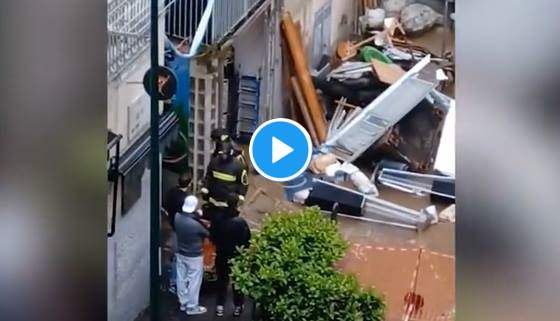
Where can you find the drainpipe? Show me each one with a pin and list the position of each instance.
(114, 172)
(154, 166)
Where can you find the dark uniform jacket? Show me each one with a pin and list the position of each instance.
(232, 233)
(226, 181)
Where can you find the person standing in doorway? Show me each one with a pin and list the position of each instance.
(233, 233)
(189, 259)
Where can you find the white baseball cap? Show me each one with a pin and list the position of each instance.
(190, 204)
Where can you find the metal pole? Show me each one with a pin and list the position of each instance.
(154, 167)
(445, 28)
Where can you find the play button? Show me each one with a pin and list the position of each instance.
(280, 149)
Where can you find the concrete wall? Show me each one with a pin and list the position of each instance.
(342, 20)
(251, 49)
(128, 105)
(128, 266)
(128, 277)
(251, 45)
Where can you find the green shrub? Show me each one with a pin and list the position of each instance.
(288, 271)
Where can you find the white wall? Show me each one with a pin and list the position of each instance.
(343, 18)
(129, 99)
(250, 48)
(251, 59)
(128, 105)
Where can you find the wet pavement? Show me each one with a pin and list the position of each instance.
(395, 261)
(399, 263)
(170, 307)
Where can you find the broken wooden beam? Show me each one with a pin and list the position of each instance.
(304, 78)
(304, 111)
(343, 102)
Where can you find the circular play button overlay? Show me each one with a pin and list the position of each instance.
(280, 149)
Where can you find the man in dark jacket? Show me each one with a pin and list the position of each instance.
(172, 204)
(233, 233)
(174, 198)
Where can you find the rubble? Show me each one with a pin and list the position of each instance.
(381, 107)
(388, 73)
(415, 139)
(295, 45)
(448, 214)
(418, 184)
(370, 54)
(397, 54)
(376, 118)
(373, 19)
(304, 111)
(347, 49)
(418, 18)
(394, 7)
(321, 162)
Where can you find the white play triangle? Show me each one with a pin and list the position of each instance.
(279, 150)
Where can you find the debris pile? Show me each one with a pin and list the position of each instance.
(376, 113)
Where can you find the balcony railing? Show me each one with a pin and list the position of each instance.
(184, 16)
(128, 24)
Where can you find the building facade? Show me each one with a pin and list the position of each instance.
(235, 82)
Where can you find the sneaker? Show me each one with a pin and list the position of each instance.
(199, 309)
(237, 310)
(183, 308)
(220, 310)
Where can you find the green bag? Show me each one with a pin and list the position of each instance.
(367, 53)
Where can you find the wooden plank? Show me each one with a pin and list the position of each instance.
(304, 111)
(345, 104)
(287, 73)
(387, 73)
(304, 78)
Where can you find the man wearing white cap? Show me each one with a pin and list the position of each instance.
(190, 237)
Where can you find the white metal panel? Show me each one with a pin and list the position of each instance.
(376, 118)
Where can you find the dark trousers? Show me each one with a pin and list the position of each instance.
(216, 216)
(223, 270)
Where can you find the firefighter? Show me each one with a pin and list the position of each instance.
(220, 136)
(224, 186)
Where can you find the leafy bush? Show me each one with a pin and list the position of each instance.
(288, 270)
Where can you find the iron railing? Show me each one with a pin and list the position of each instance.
(184, 16)
(128, 24)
